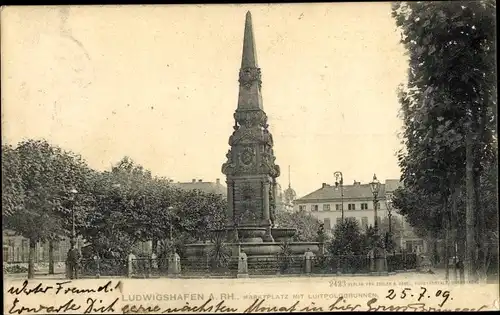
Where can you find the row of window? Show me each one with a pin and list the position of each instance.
(338, 207)
(363, 222)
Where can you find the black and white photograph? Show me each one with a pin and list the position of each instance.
(339, 156)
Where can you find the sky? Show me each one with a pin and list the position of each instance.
(160, 84)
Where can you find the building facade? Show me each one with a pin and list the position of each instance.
(357, 202)
(16, 248)
(205, 186)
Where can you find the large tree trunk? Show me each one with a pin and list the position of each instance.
(470, 211)
(31, 259)
(51, 257)
(454, 227)
(447, 240)
(154, 245)
(481, 232)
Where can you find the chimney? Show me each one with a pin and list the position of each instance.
(356, 183)
(200, 180)
(194, 180)
(323, 185)
(217, 181)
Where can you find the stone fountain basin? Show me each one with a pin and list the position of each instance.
(255, 249)
(283, 234)
(251, 234)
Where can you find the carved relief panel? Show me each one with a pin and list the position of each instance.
(248, 201)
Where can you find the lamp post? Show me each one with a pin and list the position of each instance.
(73, 233)
(72, 258)
(171, 216)
(375, 188)
(389, 212)
(339, 181)
(389, 215)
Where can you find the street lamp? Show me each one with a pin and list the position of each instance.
(73, 233)
(171, 216)
(72, 257)
(339, 180)
(389, 211)
(375, 188)
(389, 215)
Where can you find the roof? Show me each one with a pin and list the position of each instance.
(207, 187)
(392, 184)
(356, 191)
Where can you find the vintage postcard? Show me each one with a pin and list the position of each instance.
(249, 158)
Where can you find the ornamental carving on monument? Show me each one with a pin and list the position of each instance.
(251, 136)
(250, 75)
(268, 166)
(250, 118)
(248, 212)
(267, 137)
(247, 192)
(247, 158)
(229, 166)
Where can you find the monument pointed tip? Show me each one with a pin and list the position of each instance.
(249, 58)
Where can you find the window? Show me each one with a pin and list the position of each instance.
(339, 220)
(351, 206)
(327, 223)
(338, 207)
(24, 250)
(364, 222)
(326, 207)
(302, 208)
(314, 207)
(5, 253)
(378, 220)
(364, 206)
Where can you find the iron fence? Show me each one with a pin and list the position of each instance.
(103, 267)
(323, 264)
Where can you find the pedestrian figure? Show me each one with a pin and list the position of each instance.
(242, 265)
(73, 261)
(308, 258)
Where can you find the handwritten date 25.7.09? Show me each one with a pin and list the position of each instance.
(422, 294)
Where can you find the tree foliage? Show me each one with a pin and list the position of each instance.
(43, 186)
(347, 238)
(46, 175)
(306, 225)
(199, 213)
(448, 107)
(12, 186)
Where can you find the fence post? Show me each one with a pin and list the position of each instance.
(130, 265)
(98, 268)
(339, 265)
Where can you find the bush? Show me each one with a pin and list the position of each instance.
(14, 269)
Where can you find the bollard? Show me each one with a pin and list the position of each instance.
(98, 269)
(308, 256)
(130, 270)
(242, 265)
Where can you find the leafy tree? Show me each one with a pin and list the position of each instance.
(449, 111)
(200, 213)
(12, 186)
(129, 206)
(307, 226)
(347, 239)
(396, 230)
(47, 174)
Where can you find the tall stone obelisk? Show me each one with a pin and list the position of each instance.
(250, 168)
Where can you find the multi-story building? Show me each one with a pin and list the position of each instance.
(16, 248)
(207, 187)
(357, 202)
